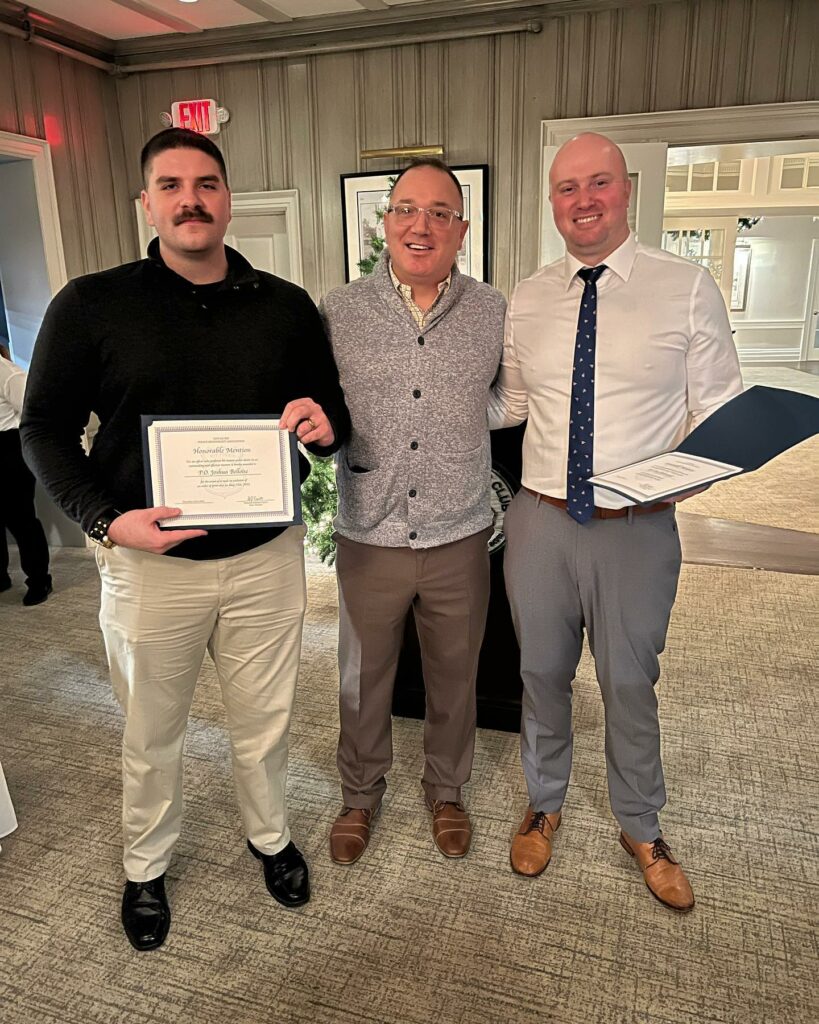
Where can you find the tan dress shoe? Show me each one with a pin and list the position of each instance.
(451, 828)
(350, 833)
(532, 845)
(663, 875)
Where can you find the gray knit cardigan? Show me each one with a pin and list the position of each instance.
(416, 469)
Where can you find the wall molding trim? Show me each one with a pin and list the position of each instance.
(750, 123)
(769, 355)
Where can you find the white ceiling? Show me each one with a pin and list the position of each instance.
(127, 19)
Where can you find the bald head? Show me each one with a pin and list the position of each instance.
(589, 190)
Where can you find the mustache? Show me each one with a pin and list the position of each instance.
(196, 213)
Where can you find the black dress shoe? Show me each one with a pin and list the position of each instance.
(146, 916)
(37, 592)
(285, 874)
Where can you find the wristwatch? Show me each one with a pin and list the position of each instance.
(99, 531)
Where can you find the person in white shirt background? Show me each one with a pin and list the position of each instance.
(17, 513)
(610, 365)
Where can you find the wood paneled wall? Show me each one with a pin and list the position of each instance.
(300, 123)
(74, 107)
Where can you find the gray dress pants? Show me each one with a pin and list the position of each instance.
(617, 578)
(448, 588)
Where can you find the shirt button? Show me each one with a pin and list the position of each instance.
(414, 445)
(416, 393)
(412, 492)
(420, 341)
(413, 535)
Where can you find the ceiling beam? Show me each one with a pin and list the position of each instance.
(160, 17)
(373, 5)
(265, 10)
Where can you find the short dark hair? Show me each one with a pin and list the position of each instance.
(179, 138)
(434, 162)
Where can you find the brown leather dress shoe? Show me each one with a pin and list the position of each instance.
(350, 833)
(451, 828)
(532, 845)
(663, 875)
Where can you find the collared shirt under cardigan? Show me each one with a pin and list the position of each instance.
(416, 470)
(140, 339)
(665, 360)
(420, 316)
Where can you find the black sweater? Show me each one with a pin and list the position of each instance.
(140, 339)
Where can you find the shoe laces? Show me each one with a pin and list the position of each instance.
(439, 805)
(538, 822)
(661, 850)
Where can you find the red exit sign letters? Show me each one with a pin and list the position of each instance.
(198, 115)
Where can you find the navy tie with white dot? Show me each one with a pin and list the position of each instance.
(579, 494)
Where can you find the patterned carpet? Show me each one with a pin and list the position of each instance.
(405, 937)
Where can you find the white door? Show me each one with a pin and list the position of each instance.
(646, 162)
(262, 239)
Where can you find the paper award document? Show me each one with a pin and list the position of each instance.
(222, 471)
(663, 476)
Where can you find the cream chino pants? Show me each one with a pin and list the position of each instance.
(158, 616)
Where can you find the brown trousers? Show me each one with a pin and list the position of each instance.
(448, 588)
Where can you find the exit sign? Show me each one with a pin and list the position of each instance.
(198, 115)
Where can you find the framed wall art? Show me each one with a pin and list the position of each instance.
(364, 198)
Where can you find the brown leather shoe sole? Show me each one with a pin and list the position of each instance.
(679, 910)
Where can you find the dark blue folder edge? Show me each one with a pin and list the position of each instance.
(755, 427)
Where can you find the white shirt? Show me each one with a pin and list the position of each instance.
(12, 389)
(665, 360)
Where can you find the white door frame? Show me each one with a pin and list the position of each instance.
(38, 152)
(763, 122)
(285, 201)
(811, 305)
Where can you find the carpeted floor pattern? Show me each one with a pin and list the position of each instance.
(405, 937)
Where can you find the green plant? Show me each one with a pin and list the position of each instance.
(375, 235)
(319, 502)
(318, 495)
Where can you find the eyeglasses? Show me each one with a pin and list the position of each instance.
(439, 217)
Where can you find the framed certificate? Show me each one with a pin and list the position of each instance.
(222, 471)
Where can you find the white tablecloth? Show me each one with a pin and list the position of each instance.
(8, 819)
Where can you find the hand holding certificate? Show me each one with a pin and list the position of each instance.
(222, 471)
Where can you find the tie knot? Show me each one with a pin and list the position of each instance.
(591, 274)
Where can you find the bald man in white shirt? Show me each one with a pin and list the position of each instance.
(614, 353)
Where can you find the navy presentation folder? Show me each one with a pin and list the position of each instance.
(755, 427)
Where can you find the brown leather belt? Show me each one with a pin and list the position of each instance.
(602, 513)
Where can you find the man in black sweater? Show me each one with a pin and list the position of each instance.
(193, 330)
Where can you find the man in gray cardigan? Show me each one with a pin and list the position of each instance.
(417, 346)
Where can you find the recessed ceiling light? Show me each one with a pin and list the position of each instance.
(189, 1)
